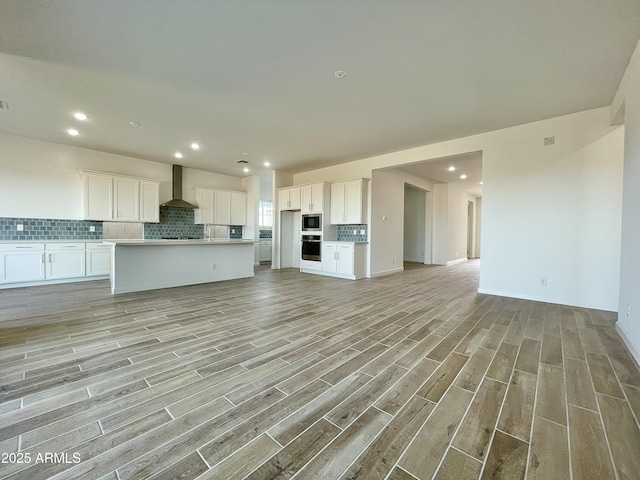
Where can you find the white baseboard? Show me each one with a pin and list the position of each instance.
(543, 299)
(635, 353)
(455, 262)
(387, 272)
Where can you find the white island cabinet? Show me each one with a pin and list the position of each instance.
(138, 265)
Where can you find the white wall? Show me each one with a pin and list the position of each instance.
(552, 212)
(41, 179)
(627, 102)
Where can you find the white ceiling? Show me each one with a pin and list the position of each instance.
(256, 77)
(437, 171)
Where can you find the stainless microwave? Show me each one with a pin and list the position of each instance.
(312, 223)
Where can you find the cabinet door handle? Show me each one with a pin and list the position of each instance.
(50, 258)
(43, 258)
(24, 247)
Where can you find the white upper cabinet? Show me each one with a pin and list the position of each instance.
(289, 198)
(221, 207)
(238, 208)
(349, 202)
(117, 197)
(311, 198)
(149, 202)
(126, 196)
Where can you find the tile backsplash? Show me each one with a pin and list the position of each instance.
(174, 222)
(345, 233)
(266, 234)
(48, 229)
(120, 230)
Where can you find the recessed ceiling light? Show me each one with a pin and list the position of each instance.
(134, 124)
(245, 169)
(80, 116)
(452, 168)
(178, 155)
(463, 176)
(267, 164)
(339, 74)
(73, 132)
(195, 146)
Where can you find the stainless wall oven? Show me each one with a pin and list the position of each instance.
(311, 247)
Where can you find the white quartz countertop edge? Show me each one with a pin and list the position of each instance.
(213, 241)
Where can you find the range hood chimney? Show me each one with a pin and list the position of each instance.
(177, 200)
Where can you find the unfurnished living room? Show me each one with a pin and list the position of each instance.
(319, 240)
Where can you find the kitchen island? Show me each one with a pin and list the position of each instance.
(138, 265)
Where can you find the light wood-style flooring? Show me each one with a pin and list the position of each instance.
(412, 375)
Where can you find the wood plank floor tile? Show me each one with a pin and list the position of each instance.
(423, 455)
(458, 466)
(477, 427)
(551, 352)
(551, 400)
(406, 387)
(474, 370)
(507, 458)
(623, 435)
(384, 452)
(517, 411)
(580, 390)
(590, 459)
(503, 361)
(604, 380)
(288, 374)
(549, 456)
(438, 383)
(343, 450)
(295, 455)
(245, 460)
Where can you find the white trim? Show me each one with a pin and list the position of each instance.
(543, 299)
(455, 262)
(386, 272)
(635, 353)
(53, 282)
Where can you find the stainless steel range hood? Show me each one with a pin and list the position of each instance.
(177, 200)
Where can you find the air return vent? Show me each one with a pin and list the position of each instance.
(549, 141)
(4, 105)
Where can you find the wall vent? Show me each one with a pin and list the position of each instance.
(549, 141)
(4, 105)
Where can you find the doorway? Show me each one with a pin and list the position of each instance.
(470, 230)
(415, 212)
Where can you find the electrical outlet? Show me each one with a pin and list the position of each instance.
(233, 230)
(92, 228)
(543, 281)
(213, 266)
(363, 232)
(355, 232)
(20, 227)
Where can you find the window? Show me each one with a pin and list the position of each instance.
(265, 215)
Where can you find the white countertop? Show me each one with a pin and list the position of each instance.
(213, 241)
(52, 241)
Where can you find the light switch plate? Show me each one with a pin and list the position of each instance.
(363, 232)
(20, 227)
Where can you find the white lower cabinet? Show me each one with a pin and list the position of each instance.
(36, 263)
(22, 263)
(342, 259)
(64, 260)
(98, 259)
